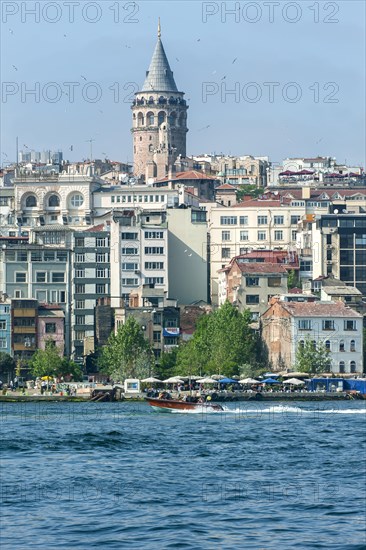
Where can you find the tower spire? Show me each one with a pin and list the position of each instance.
(159, 29)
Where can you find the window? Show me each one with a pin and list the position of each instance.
(62, 296)
(80, 289)
(49, 256)
(306, 265)
(157, 336)
(274, 281)
(154, 280)
(352, 346)
(50, 328)
(2, 324)
(154, 235)
(130, 266)
(262, 235)
(294, 235)
(53, 201)
(102, 257)
(3, 343)
(58, 277)
(278, 220)
(80, 320)
(328, 324)
(225, 235)
(20, 277)
(76, 200)
(304, 324)
(129, 251)
(61, 256)
(102, 242)
(262, 220)
(154, 265)
(252, 281)
(327, 345)
(100, 288)
(226, 253)
(278, 235)
(228, 220)
(79, 334)
(80, 272)
(341, 345)
(252, 299)
(341, 366)
(79, 241)
(80, 257)
(79, 304)
(31, 202)
(349, 325)
(17, 293)
(101, 272)
(198, 216)
(41, 277)
(154, 250)
(352, 366)
(129, 236)
(22, 256)
(130, 282)
(295, 220)
(36, 256)
(244, 235)
(243, 220)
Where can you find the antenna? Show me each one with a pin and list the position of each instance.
(159, 28)
(91, 148)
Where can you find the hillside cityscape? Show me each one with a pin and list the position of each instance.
(171, 239)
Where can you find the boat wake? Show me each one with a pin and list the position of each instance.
(283, 409)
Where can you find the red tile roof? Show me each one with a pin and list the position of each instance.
(226, 186)
(189, 175)
(256, 268)
(319, 309)
(262, 203)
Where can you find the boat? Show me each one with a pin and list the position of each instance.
(171, 405)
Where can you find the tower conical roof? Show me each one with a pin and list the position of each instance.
(159, 77)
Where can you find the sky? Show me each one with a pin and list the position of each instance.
(295, 70)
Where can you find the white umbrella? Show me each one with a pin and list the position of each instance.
(248, 381)
(206, 381)
(294, 374)
(173, 380)
(151, 380)
(294, 381)
(217, 376)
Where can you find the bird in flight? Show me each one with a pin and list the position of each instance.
(83, 77)
(11, 31)
(15, 68)
(235, 60)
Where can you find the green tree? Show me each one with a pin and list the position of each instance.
(7, 367)
(312, 357)
(127, 354)
(251, 190)
(46, 362)
(69, 368)
(292, 280)
(223, 340)
(165, 367)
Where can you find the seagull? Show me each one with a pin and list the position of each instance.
(223, 78)
(319, 140)
(14, 67)
(235, 60)
(65, 35)
(190, 254)
(186, 250)
(177, 59)
(199, 40)
(204, 128)
(11, 31)
(83, 77)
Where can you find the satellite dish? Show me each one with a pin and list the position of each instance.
(335, 211)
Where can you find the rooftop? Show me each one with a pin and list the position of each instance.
(159, 77)
(319, 309)
(257, 268)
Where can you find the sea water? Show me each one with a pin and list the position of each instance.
(118, 475)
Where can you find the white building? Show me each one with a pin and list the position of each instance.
(286, 326)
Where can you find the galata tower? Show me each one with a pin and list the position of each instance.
(159, 120)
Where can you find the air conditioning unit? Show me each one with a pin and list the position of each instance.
(329, 262)
(329, 246)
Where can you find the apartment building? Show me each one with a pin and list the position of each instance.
(339, 248)
(5, 324)
(252, 225)
(139, 252)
